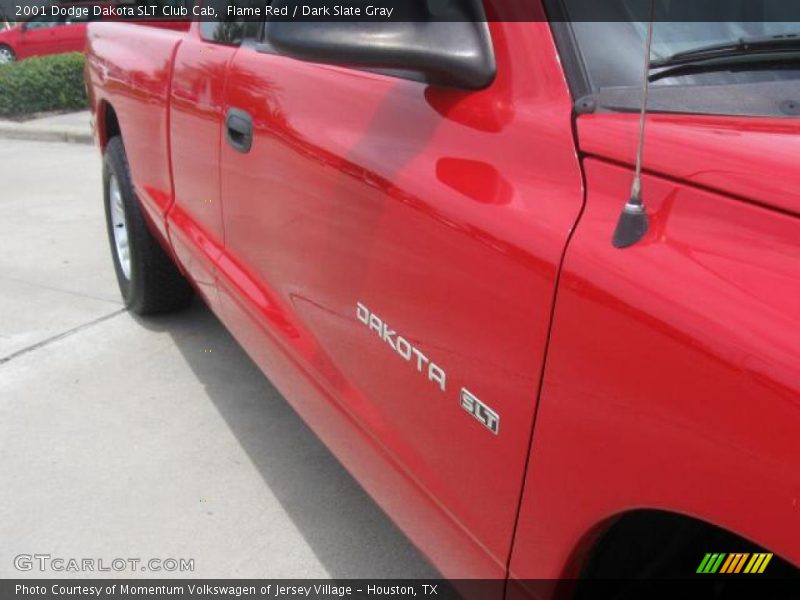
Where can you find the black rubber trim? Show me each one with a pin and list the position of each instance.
(574, 68)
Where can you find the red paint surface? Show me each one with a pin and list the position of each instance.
(751, 158)
(671, 379)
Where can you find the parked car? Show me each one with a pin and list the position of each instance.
(44, 34)
(414, 242)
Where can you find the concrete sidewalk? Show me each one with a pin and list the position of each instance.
(70, 127)
(154, 438)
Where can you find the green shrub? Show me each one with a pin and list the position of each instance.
(42, 83)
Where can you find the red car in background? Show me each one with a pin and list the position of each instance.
(44, 34)
(48, 34)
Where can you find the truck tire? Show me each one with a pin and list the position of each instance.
(6, 54)
(149, 281)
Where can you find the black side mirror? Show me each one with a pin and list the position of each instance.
(453, 48)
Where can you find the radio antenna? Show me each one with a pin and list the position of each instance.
(633, 222)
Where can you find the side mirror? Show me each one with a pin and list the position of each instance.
(451, 48)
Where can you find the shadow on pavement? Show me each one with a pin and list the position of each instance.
(347, 531)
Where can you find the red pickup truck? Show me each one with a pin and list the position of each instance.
(415, 242)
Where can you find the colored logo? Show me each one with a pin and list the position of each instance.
(742, 562)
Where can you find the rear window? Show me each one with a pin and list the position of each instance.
(230, 31)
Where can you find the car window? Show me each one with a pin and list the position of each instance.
(612, 54)
(41, 22)
(231, 31)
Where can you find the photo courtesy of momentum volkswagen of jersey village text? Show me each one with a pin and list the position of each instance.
(370, 299)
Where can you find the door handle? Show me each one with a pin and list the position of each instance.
(239, 130)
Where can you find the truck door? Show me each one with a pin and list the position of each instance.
(39, 36)
(411, 235)
(196, 113)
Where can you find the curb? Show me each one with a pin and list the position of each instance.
(45, 135)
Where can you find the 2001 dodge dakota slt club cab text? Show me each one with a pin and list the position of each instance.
(431, 248)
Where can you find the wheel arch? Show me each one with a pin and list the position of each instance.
(107, 123)
(644, 540)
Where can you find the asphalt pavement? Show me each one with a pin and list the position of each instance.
(123, 438)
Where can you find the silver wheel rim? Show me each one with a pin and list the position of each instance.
(119, 225)
(6, 56)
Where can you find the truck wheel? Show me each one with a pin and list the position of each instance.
(149, 281)
(6, 54)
